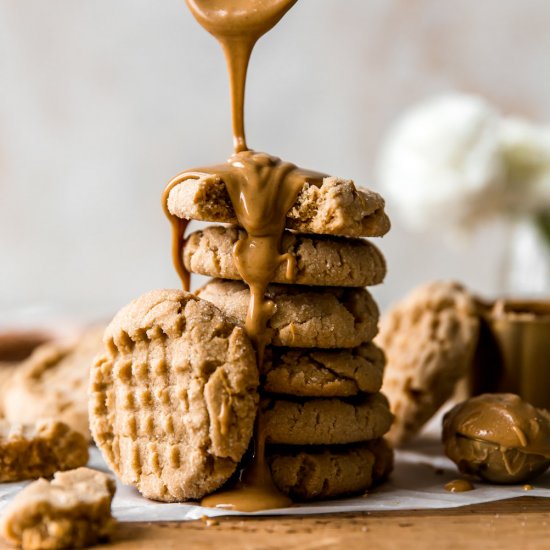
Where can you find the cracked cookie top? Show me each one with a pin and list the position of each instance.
(323, 373)
(317, 260)
(174, 395)
(325, 421)
(329, 317)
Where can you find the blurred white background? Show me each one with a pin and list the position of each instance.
(102, 102)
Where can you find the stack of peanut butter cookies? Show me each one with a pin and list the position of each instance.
(178, 395)
(322, 415)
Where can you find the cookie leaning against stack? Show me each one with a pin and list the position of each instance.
(321, 409)
(173, 396)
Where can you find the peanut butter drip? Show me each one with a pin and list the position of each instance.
(498, 437)
(237, 25)
(262, 190)
(255, 489)
(178, 230)
(459, 486)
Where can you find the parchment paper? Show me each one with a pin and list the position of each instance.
(417, 483)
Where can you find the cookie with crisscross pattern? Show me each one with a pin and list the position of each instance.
(174, 396)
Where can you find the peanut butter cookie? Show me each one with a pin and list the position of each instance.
(174, 396)
(323, 373)
(30, 451)
(337, 207)
(325, 421)
(53, 383)
(318, 260)
(429, 339)
(71, 511)
(328, 472)
(322, 317)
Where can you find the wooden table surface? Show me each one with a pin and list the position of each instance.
(521, 523)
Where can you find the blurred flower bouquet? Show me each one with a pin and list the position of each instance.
(453, 163)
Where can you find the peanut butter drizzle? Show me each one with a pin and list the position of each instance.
(178, 230)
(262, 189)
(459, 486)
(255, 490)
(237, 25)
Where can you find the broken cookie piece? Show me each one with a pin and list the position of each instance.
(30, 451)
(71, 511)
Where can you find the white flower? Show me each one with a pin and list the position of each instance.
(442, 165)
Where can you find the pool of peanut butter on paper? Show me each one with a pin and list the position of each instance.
(262, 189)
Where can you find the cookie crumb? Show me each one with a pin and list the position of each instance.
(209, 522)
(71, 511)
(30, 451)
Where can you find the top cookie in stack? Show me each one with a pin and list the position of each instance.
(336, 207)
(322, 412)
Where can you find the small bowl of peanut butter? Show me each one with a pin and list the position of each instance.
(514, 350)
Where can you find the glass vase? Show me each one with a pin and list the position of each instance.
(526, 269)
